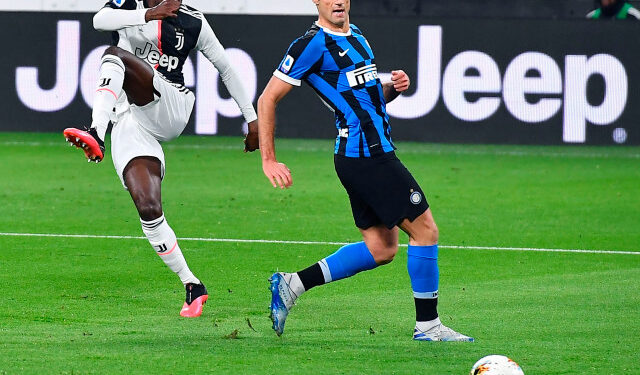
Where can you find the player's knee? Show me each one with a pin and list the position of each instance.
(113, 50)
(385, 254)
(433, 233)
(149, 209)
(388, 258)
(428, 232)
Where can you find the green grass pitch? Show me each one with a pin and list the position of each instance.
(110, 306)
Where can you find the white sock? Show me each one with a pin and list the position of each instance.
(425, 326)
(107, 92)
(295, 284)
(164, 242)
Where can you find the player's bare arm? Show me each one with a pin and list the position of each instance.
(276, 172)
(400, 82)
(162, 9)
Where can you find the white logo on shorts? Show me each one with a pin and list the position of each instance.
(415, 197)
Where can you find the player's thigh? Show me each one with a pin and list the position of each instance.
(167, 116)
(422, 231)
(143, 178)
(384, 185)
(130, 141)
(138, 76)
(364, 216)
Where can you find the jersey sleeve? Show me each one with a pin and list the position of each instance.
(301, 59)
(213, 50)
(121, 4)
(119, 14)
(634, 14)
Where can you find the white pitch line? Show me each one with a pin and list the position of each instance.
(533, 249)
(286, 242)
(407, 150)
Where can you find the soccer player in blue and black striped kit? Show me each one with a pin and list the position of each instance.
(335, 59)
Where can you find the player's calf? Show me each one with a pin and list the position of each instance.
(164, 242)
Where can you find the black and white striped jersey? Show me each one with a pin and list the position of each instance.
(166, 44)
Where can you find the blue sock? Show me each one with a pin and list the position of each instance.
(347, 261)
(422, 265)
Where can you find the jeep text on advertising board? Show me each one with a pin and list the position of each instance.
(514, 87)
(472, 82)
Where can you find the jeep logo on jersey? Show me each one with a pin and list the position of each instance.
(118, 3)
(362, 75)
(155, 57)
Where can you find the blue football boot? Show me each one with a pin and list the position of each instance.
(282, 299)
(440, 332)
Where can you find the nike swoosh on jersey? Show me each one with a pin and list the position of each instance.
(343, 53)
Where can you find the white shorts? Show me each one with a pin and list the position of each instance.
(138, 131)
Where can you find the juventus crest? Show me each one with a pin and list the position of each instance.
(180, 37)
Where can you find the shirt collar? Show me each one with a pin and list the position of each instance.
(328, 31)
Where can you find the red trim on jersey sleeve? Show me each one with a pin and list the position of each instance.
(159, 41)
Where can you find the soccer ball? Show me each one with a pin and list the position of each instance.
(496, 365)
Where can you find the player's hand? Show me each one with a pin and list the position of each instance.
(251, 140)
(166, 9)
(400, 80)
(277, 173)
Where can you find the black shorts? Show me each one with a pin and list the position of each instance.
(381, 190)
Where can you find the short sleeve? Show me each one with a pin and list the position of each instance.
(301, 60)
(122, 4)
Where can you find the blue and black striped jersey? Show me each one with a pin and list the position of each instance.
(341, 68)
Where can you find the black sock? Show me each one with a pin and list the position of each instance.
(311, 276)
(426, 309)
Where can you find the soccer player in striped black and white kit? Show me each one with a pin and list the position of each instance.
(141, 91)
(336, 60)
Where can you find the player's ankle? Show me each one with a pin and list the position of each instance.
(99, 131)
(297, 288)
(427, 325)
